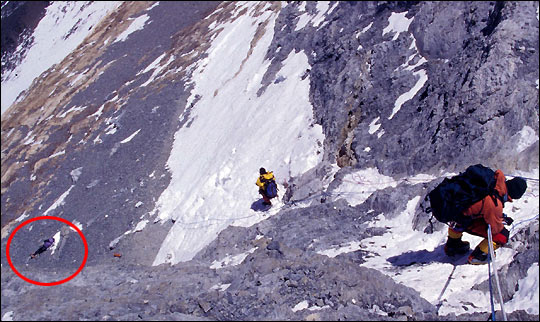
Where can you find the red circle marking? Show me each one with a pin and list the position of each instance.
(51, 218)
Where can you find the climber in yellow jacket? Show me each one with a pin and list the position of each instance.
(264, 178)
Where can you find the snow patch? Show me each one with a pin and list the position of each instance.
(129, 138)
(221, 287)
(528, 295)
(373, 126)
(398, 23)
(363, 30)
(22, 217)
(73, 109)
(358, 186)
(347, 248)
(140, 226)
(8, 316)
(75, 174)
(323, 9)
(422, 79)
(301, 306)
(137, 24)
(524, 138)
(57, 238)
(60, 201)
(231, 260)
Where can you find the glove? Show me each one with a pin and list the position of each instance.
(507, 220)
(502, 237)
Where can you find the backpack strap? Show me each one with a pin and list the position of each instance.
(494, 196)
(503, 199)
(431, 224)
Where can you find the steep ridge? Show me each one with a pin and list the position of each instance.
(401, 94)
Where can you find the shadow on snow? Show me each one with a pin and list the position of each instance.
(259, 206)
(422, 257)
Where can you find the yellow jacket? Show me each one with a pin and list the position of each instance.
(264, 177)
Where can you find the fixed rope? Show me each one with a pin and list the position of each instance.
(439, 299)
(533, 179)
(325, 194)
(514, 225)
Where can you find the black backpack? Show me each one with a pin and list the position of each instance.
(454, 195)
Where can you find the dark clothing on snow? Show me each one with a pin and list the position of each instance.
(46, 244)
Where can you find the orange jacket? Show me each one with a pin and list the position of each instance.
(491, 208)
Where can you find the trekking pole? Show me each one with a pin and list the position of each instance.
(491, 290)
(492, 255)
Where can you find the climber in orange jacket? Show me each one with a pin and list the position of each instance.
(486, 211)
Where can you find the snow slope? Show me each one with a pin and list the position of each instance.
(214, 174)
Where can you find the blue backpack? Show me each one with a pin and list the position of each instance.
(454, 195)
(270, 188)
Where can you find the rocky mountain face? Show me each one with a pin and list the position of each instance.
(474, 70)
(19, 18)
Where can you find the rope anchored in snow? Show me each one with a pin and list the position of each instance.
(514, 225)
